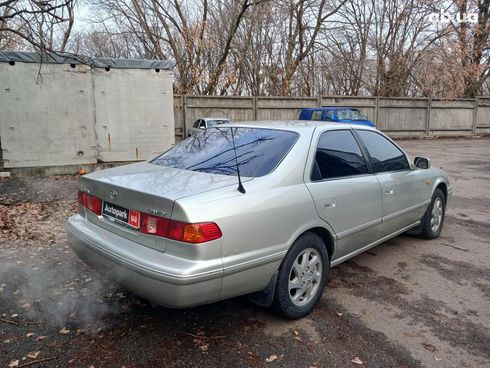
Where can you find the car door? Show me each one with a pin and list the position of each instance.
(346, 194)
(403, 189)
(196, 126)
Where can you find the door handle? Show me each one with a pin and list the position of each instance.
(325, 204)
(389, 191)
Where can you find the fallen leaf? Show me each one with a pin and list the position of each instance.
(64, 331)
(429, 347)
(14, 363)
(40, 338)
(26, 305)
(296, 332)
(29, 334)
(271, 358)
(357, 361)
(339, 314)
(437, 359)
(14, 315)
(33, 354)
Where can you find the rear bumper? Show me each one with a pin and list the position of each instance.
(162, 278)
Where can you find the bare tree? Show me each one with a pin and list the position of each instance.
(35, 24)
(474, 45)
(304, 21)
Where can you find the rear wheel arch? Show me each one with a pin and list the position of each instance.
(265, 297)
(326, 237)
(443, 187)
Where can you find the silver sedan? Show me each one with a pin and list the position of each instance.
(259, 208)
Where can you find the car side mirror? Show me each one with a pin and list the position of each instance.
(421, 162)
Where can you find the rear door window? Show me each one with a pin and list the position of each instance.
(316, 115)
(258, 151)
(385, 156)
(329, 115)
(338, 155)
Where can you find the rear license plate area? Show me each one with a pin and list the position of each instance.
(121, 215)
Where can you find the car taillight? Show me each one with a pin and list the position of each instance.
(94, 204)
(190, 233)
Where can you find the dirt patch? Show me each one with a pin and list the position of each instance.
(38, 189)
(444, 322)
(457, 271)
(470, 203)
(448, 325)
(30, 222)
(477, 228)
(366, 283)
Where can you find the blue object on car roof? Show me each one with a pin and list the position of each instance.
(336, 114)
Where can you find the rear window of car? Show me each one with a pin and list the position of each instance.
(316, 115)
(212, 123)
(351, 114)
(258, 151)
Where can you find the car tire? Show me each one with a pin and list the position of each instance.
(301, 277)
(434, 216)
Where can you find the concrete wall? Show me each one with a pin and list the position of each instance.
(405, 117)
(76, 116)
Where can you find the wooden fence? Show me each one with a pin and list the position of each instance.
(410, 117)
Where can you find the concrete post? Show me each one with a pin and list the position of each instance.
(184, 114)
(475, 114)
(428, 117)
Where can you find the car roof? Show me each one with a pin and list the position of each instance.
(330, 108)
(215, 119)
(295, 125)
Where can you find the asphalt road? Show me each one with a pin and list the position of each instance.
(406, 303)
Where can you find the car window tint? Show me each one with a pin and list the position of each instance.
(329, 115)
(385, 156)
(316, 115)
(258, 151)
(338, 155)
(212, 123)
(196, 124)
(203, 124)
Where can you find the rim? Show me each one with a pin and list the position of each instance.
(436, 219)
(305, 276)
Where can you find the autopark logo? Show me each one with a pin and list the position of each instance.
(446, 17)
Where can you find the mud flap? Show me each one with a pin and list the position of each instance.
(265, 297)
(417, 230)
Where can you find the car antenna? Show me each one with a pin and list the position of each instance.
(241, 189)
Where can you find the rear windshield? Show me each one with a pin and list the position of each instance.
(351, 114)
(258, 151)
(212, 123)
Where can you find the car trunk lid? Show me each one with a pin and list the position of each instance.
(146, 188)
